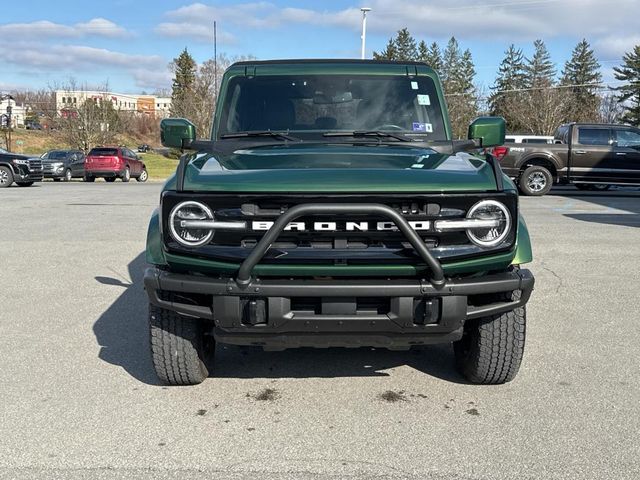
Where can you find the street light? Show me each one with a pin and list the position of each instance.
(364, 11)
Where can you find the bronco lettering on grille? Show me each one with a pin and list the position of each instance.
(339, 226)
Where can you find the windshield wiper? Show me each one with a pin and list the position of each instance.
(261, 133)
(369, 133)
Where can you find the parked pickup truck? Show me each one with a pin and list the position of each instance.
(331, 207)
(586, 155)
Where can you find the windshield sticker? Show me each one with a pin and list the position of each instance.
(424, 99)
(417, 165)
(422, 127)
(414, 85)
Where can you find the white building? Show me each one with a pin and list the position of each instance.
(68, 100)
(18, 113)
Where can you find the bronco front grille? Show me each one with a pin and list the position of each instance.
(340, 239)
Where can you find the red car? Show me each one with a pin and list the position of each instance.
(114, 162)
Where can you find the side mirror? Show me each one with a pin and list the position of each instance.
(177, 133)
(489, 131)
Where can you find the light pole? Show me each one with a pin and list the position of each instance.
(364, 11)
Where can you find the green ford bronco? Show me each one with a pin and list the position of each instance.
(332, 208)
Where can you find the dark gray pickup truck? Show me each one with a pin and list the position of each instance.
(590, 156)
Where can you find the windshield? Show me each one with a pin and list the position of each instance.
(57, 155)
(324, 103)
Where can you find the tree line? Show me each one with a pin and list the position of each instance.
(527, 92)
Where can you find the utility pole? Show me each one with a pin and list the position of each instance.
(364, 11)
(215, 60)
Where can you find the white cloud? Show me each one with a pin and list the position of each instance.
(100, 27)
(615, 46)
(148, 71)
(152, 79)
(511, 20)
(198, 32)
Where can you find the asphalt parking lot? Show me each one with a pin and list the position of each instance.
(79, 399)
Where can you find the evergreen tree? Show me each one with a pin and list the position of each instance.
(457, 73)
(582, 69)
(406, 48)
(423, 51)
(511, 78)
(629, 96)
(450, 65)
(540, 70)
(389, 53)
(430, 55)
(403, 47)
(185, 69)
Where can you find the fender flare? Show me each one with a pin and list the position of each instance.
(540, 155)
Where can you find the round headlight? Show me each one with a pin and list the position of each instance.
(190, 237)
(489, 210)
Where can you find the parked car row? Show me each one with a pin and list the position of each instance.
(109, 163)
(589, 156)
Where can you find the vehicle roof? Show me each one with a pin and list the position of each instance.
(594, 124)
(329, 61)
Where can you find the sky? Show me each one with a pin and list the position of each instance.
(128, 44)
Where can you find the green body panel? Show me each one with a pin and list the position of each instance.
(338, 168)
(524, 252)
(489, 130)
(155, 251)
(177, 132)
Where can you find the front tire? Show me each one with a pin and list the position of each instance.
(89, 178)
(110, 179)
(68, 176)
(6, 177)
(491, 349)
(178, 347)
(535, 181)
(24, 184)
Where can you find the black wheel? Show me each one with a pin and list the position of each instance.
(178, 347)
(110, 179)
(24, 184)
(143, 176)
(535, 181)
(600, 187)
(583, 186)
(6, 177)
(126, 176)
(89, 178)
(56, 179)
(68, 176)
(491, 348)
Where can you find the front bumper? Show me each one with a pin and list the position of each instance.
(284, 313)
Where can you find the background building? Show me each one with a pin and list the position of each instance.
(143, 104)
(18, 113)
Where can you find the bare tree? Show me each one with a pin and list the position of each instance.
(89, 120)
(611, 110)
(540, 110)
